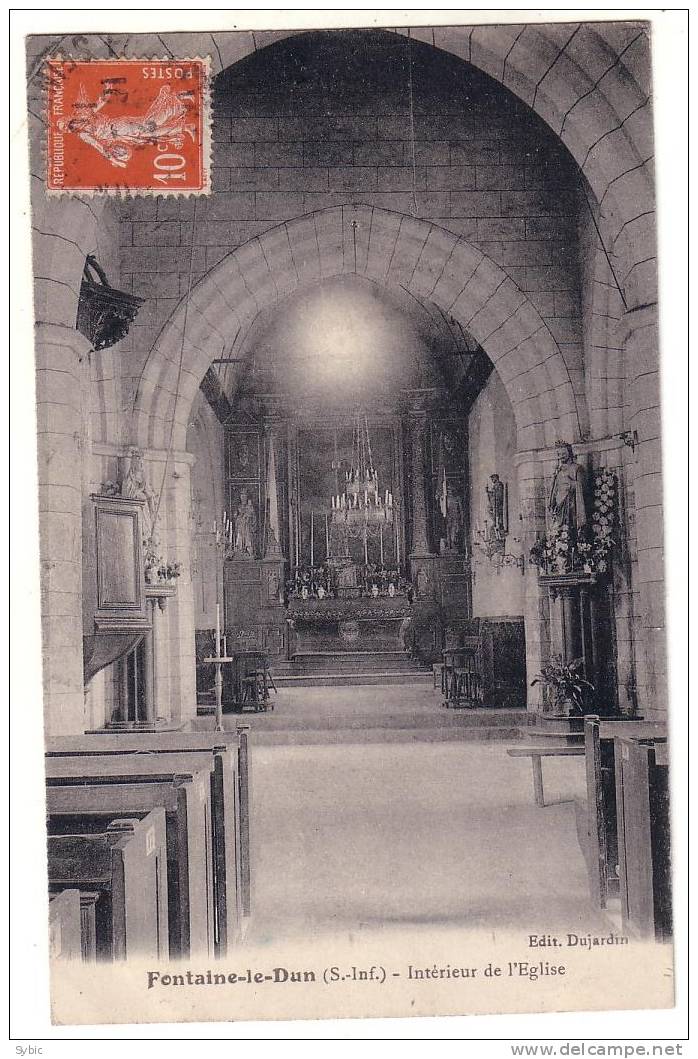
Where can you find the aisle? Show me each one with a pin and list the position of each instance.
(379, 713)
(359, 838)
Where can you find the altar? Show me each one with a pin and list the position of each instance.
(338, 537)
(337, 626)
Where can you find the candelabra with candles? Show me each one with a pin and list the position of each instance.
(360, 499)
(222, 533)
(492, 545)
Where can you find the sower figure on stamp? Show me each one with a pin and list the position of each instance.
(115, 138)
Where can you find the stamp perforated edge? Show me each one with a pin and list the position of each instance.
(124, 191)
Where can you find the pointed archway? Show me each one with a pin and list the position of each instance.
(391, 249)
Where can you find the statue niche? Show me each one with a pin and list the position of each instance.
(244, 527)
(454, 522)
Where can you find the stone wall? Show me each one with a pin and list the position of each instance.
(205, 443)
(481, 165)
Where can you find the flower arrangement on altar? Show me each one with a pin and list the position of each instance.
(590, 553)
(315, 582)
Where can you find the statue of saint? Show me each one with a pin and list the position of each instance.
(566, 504)
(496, 507)
(454, 521)
(244, 527)
(422, 583)
(135, 487)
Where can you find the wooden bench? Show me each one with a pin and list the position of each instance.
(552, 736)
(119, 863)
(236, 740)
(601, 831)
(225, 814)
(536, 754)
(65, 925)
(130, 785)
(644, 854)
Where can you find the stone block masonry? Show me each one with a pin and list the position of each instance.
(505, 186)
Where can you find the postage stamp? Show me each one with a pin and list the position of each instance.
(129, 126)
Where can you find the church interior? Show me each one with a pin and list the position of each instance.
(350, 500)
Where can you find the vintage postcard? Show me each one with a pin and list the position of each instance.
(350, 499)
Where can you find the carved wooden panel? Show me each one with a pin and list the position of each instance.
(117, 560)
(114, 604)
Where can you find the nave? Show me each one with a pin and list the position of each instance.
(443, 836)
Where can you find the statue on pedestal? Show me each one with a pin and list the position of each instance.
(566, 503)
(135, 487)
(496, 505)
(244, 527)
(454, 521)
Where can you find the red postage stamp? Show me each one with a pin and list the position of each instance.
(128, 125)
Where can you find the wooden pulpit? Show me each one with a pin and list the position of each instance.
(115, 617)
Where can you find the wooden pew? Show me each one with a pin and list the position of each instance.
(601, 836)
(65, 928)
(644, 840)
(121, 864)
(536, 754)
(225, 815)
(126, 784)
(173, 742)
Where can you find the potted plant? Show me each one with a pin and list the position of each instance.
(565, 689)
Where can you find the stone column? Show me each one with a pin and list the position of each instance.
(271, 545)
(641, 349)
(60, 364)
(420, 538)
(150, 695)
(173, 629)
(537, 625)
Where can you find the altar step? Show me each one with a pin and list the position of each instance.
(304, 715)
(336, 669)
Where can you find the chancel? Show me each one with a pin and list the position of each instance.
(353, 505)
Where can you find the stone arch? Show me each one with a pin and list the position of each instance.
(390, 249)
(590, 83)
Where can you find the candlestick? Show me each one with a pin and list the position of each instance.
(218, 629)
(312, 540)
(381, 545)
(327, 535)
(365, 548)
